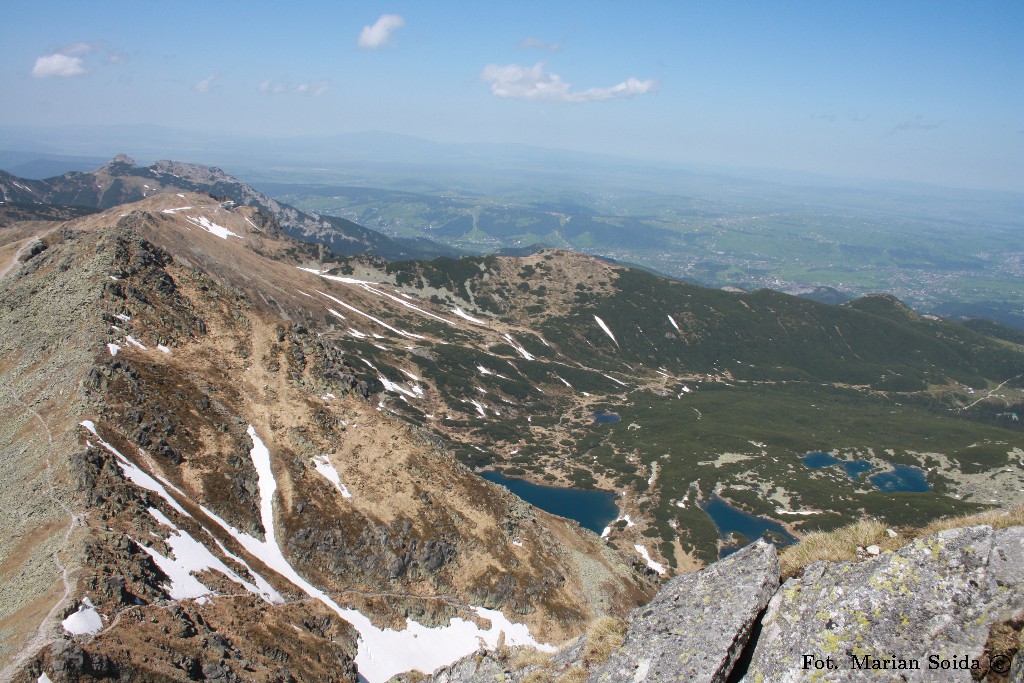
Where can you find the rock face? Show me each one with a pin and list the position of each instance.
(948, 607)
(931, 604)
(697, 625)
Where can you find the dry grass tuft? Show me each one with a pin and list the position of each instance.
(603, 638)
(997, 519)
(577, 674)
(538, 676)
(527, 656)
(841, 545)
(835, 546)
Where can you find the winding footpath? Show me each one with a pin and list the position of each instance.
(48, 630)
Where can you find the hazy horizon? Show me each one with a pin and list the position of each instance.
(920, 92)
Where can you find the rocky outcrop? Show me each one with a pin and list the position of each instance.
(930, 605)
(948, 607)
(697, 625)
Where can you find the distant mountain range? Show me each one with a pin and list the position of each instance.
(121, 181)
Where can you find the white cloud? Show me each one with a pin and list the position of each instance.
(80, 48)
(539, 44)
(270, 86)
(533, 83)
(316, 89)
(312, 88)
(204, 85)
(58, 66)
(378, 35)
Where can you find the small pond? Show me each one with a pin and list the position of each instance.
(592, 509)
(728, 520)
(605, 418)
(819, 460)
(855, 468)
(901, 478)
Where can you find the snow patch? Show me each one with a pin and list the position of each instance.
(337, 278)
(479, 407)
(465, 316)
(416, 392)
(522, 352)
(621, 518)
(606, 330)
(383, 324)
(647, 557)
(113, 348)
(614, 380)
(134, 342)
(323, 466)
(133, 473)
(211, 227)
(85, 622)
(368, 286)
(163, 348)
(189, 557)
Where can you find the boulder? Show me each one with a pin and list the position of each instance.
(697, 625)
(925, 612)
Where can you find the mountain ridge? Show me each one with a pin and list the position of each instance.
(160, 452)
(121, 181)
(169, 343)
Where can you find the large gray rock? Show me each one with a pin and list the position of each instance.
(930, 605)
(697, 625)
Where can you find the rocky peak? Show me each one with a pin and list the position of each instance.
(195, 173)
(121, 162)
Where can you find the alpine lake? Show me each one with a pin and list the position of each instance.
(595, 510)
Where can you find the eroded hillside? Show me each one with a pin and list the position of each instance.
(197, 451)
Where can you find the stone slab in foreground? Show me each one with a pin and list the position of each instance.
(929, 606)
(697, 624)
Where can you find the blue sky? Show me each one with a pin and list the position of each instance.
(927, 91)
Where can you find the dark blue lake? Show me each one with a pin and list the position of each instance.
(901, 478)
(819, 460)
(604, 418)
(592, 509)
(728, 519)
(855, 468)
